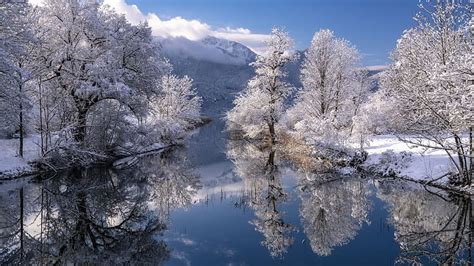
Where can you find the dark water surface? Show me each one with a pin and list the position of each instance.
(222, 202)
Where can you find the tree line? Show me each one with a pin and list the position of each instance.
(426, 96)
(83, 78)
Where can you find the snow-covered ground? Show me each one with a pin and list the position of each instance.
(420, 163)
(10, 163)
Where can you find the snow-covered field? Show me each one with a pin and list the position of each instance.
(10, 163)
(420, 163)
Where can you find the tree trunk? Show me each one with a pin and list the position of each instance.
(80, 130)
(20, 124)
(21, 224)
(40, 92)
(471, 153)
(20, 148)
(271, 162)
(322, 93)
(273, 100)
(336, 104)
(271, 128)
(81, 226)
(462, 161)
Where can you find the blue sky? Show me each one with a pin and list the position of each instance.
(372, 25)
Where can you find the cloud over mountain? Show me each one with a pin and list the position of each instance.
(193, 29)
(210, 49)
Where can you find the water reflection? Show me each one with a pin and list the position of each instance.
(126, 215)
(430, 225)
(170, 179)
(259, 168)
(332, 210)
(88, 216)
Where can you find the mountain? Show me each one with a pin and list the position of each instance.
(220, 69)
(293, 70)
(217, 83)
(235, 50)
(375, 73)
(209, 49)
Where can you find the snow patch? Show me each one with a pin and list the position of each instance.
(424, 164)
(11, 164)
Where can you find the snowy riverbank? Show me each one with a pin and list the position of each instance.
(385, 152)
(421, 163)
(11, 164)
(411, 162)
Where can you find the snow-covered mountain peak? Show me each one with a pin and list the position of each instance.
(209, 49)
(230, 48)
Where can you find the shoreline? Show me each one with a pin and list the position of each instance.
(36, 167)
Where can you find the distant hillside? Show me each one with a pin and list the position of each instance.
(220, 69)
(375, 72)
(217, 83)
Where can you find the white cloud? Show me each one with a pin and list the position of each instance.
(256, 42)
(36, 2)
(189, 29)
(376, 68)
(178, 27)
(183, 47)
(237, 30)
(131, 12)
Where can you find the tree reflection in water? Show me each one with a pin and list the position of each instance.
(171, 181)
(107, 216)
(332, 210)
(259, 168)
(334, 207)
(430, 226)
(95, 216)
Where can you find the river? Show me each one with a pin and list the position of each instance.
(218, 201)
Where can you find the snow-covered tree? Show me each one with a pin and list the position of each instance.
(373, 117)
(97, 58)
(178, 100)
(177, 106)
(15, 43)
(333, 89)
(431, 82)
(258, 109)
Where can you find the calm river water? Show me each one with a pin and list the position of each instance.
(223, 202)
